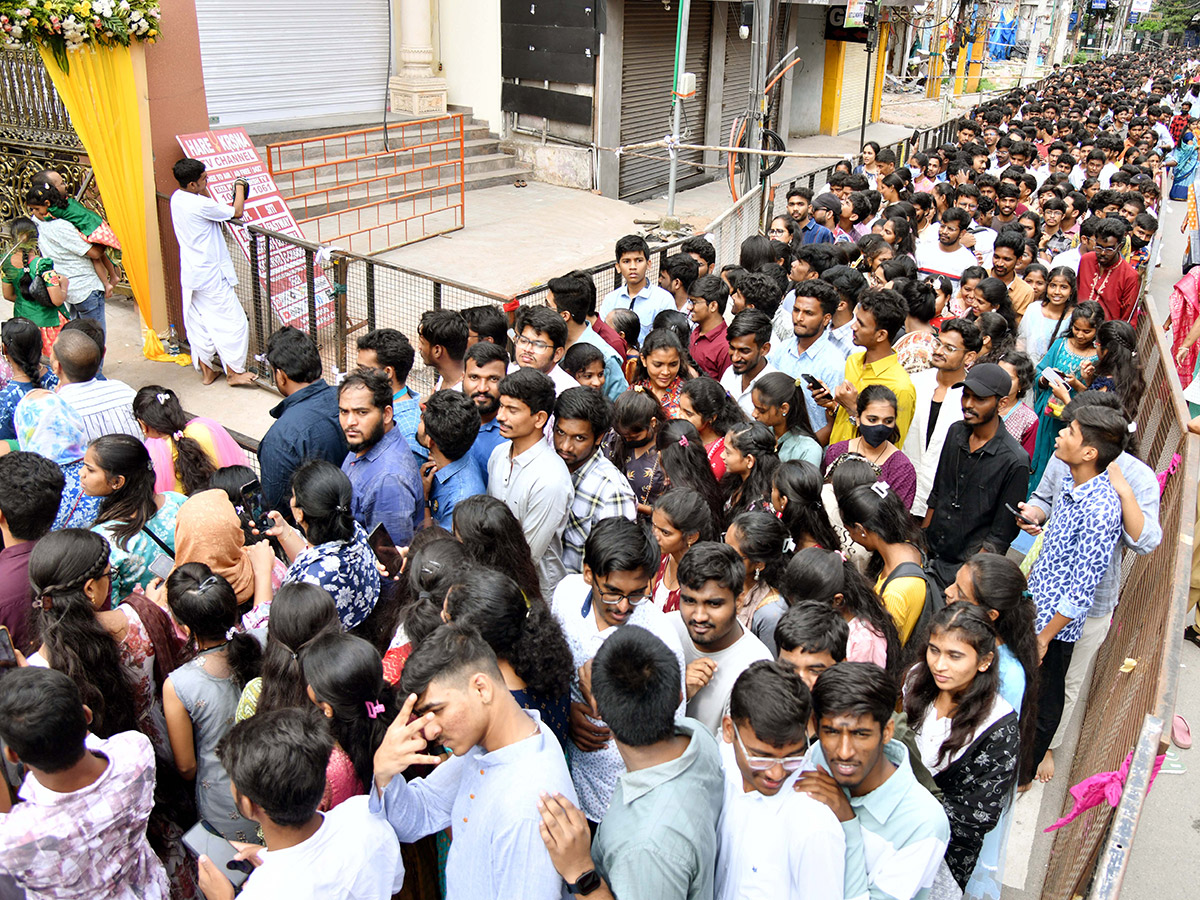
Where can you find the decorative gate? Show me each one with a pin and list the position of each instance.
(36, 134)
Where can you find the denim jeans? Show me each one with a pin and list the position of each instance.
(92, 307)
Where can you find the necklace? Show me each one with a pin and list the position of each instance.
(863, 453)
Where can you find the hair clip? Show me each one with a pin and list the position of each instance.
(374, 709)
(1132, 428)
(231, 632)
(46, 602)
(789, 544)
(799, 383)
(683, 441)
(162, 397)
(638, 388)
(842, 554)
(525, 597)
(880, 488)
(1026, 594)
(177, 435)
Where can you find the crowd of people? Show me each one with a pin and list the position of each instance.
(697, 589)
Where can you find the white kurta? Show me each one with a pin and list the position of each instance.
(215, 321)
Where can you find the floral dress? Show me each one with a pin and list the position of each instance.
(11, 395)
(130, 564)
(1060, 356)
(76, 509)
(670, 400)
(346, 570)
(915, 351)
(645, 472)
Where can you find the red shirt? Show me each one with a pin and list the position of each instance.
(1116, 289)
(710, 351)
(611, 338)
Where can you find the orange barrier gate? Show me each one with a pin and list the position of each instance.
(374, 189)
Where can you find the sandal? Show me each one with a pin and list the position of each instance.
(520, 182)
(1191, 635)
(1181, 733)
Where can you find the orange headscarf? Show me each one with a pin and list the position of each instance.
(207, 530)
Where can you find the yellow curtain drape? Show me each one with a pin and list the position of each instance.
(100, 92)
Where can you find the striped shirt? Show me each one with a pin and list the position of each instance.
(106, 407)
(601, 491)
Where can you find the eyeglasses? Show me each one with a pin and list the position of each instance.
(766, 763)
(539, 346)
(777, 231)
(949, 348)
(613, 598)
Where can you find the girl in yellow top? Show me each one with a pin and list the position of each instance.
(878, 521)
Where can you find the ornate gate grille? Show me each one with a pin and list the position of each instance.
(36, 134)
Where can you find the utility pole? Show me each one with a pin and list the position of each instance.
(870, 17)
(1035, 41)
(1058, 30)
(681, 36)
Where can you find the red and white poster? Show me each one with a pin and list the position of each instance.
(228, 155)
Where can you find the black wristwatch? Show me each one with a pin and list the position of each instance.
(587, 883)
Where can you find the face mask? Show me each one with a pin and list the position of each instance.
(640, 442)
(1136, 242)
(875, 435)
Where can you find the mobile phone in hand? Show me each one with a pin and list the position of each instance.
(252, 503)
(1021, 516)
(204, 840)
(814, 383)
(8, 654)
(385, 550)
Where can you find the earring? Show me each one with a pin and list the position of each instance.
(757, 572)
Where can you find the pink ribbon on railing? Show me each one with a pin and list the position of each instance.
(1103, 786)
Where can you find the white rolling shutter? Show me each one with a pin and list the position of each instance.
(305, 64)
(854, 72)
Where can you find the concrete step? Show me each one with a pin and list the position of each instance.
(294, 157)
(497, 177)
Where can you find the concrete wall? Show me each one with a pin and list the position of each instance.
(808, 78)
(466, 48)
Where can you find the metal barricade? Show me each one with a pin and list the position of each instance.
(1126, 710)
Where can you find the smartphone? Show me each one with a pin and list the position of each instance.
(1020, 516)
(8, 655)
(385, 550)
(162, 565)
(252, 502)
(814, 383)
(204, 840)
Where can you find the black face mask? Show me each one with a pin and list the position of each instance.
(875, 435)
(1136, 242)
(639, 443)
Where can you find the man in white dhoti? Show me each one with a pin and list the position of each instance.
(215, 321)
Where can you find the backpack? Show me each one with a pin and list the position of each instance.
(933, 594)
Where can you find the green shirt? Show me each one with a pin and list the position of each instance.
(41, 316)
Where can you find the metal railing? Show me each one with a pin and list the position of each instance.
(1126, 710)
(374, 189)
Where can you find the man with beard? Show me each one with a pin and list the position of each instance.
(749, 337)
(810, 352)
(582, 418)
(982, 470)
(947, 256)
(716, 648)
(388, 351)
(486, 366)
(1105, 276)
(380, 464)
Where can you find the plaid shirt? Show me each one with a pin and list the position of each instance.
(601, 491)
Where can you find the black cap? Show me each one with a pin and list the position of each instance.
(829, 202)
(987, 380)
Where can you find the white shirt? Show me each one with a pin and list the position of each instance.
(709, 703)
(204, 262)
(595, 773)
(932, 731)
(352, 856)
(924, 454)
(60, 241)
(106, 407)
(933, 260)
(788, 845)
(1068, 258)
(732, 382)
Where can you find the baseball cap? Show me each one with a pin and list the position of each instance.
(828, 202)
(987, 380)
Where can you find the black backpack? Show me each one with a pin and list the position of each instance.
(933, 594)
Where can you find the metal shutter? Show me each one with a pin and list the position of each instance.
(735, 93)
(303, 64)
(854, 71)
(646, 76)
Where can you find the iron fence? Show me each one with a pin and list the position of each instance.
(1127, 706)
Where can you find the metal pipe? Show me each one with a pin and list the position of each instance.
(685, 9)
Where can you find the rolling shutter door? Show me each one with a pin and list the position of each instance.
(303, 64)
(736, 89)
(854, 72)
(647, 65)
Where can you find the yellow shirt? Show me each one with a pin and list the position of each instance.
(904, 599)
(889, 373)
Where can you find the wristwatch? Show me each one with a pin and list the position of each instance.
(587, 883)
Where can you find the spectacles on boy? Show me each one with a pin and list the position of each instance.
(764, 763)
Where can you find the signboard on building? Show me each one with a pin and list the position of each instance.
(855, 13)
(228, 154)
(1141, 6)
(1099, 4)
(837, 28)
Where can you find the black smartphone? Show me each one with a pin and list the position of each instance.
(385, 550)
(8, 654)
(1020, 516)
(204, 840)
(252, 502)
(814, 383)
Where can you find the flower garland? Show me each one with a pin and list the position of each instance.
(64, 25)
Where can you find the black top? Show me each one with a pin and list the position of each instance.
(968, 497)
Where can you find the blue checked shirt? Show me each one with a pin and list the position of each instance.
(387, 488)
(1080, 538)
(406, 413)
(601, 491)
